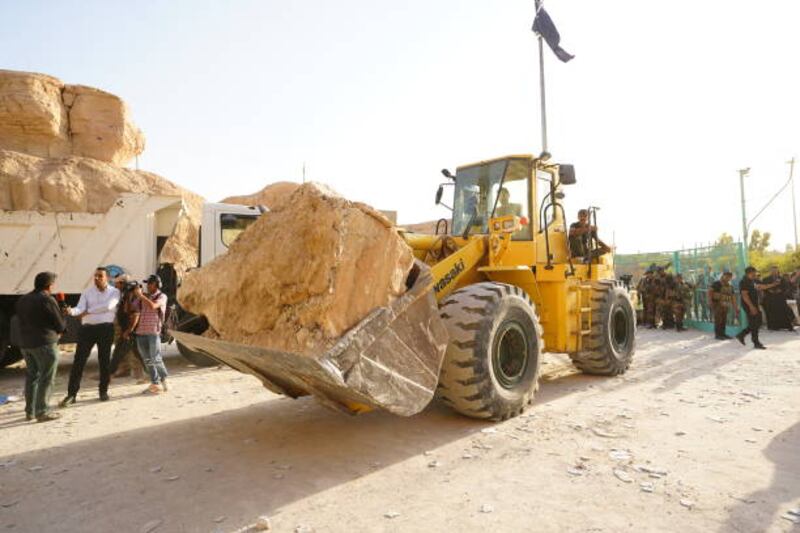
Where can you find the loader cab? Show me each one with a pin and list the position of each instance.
(499, 187)
(523, 186)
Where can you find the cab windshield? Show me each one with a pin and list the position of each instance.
(478, 191)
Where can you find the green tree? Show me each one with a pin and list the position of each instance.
(724, 240)
(759, 242)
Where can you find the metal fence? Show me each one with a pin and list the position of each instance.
(700, 267)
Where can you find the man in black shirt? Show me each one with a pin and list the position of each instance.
(581, 234)
(749, 287)
(40, 324)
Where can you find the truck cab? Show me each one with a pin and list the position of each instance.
(221, 225)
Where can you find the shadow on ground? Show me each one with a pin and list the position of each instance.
(760, 508)
(238, 464)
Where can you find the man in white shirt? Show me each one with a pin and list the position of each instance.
(96, 309)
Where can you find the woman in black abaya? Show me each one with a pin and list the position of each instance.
(779, 315)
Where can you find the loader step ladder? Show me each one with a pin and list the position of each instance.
(584, 314)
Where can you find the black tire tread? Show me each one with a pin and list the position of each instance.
(464, 382)
(8, 354)
(597, 358)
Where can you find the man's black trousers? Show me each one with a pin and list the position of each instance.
(101, 335)
(753, 325)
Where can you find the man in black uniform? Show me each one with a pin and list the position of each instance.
(749, 287)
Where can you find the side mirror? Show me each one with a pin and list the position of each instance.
(439, 193)
(447, 174)
(566, 175)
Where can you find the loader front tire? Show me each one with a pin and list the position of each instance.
(609, 348)
(491, 366)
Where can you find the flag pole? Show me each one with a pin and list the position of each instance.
(543, 105)
(794, 205)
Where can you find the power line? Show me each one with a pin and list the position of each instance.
(774, 196)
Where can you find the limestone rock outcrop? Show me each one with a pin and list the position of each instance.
(302, 275)
(100, 125)
(42, 116)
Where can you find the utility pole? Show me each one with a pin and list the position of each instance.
(543, 106)
(794, 205)
(742, 174)
(304, 171)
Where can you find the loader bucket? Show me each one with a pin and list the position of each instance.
(390, 360)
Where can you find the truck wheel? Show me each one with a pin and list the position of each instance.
(491, 366)
(196, 358)
(8, 354)
(609, 348)
(196, 325)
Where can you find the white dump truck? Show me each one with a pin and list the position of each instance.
(128, 238)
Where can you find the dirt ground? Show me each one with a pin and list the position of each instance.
(712, 428)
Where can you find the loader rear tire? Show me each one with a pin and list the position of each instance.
(491, 366)
(610, 346)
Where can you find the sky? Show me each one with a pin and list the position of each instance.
(661, 106)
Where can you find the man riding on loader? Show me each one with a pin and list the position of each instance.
(581, 235)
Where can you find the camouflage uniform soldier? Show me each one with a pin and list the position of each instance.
(721, 299)
(644, 289)
(681, 301)
(663, 307)
(656, 294)
(667, 302)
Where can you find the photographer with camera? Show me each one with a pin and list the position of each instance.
(152, 308)
(126, 353)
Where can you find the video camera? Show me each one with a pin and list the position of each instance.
(130, 286)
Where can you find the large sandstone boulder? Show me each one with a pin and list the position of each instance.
(41, 116)
(302, 275)
(80, 184)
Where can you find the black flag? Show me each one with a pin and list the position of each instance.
(543, 25)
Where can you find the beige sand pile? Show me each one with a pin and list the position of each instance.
(62, 148)
(302, 275)
(81, 184)
(271, 196)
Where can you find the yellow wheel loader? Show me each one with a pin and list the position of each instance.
(490, 292)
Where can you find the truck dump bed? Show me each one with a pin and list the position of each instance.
(74, 244)
(390, 360)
